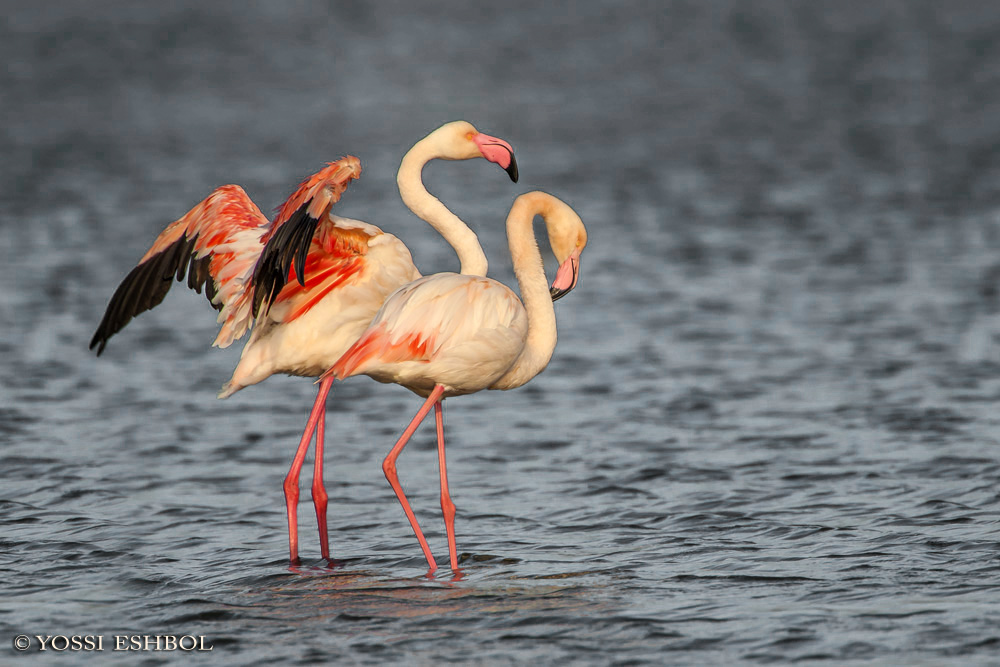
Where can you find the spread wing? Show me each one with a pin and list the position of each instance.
(287, 243)
(215, 244)
(228, 247)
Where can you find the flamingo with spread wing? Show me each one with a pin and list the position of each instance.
(307, 283)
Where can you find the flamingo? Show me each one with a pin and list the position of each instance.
(450, 334)
(343, 271)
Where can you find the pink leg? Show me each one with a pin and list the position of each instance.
(447, 507)
(292, 479)
(389, 468)
(318, 492)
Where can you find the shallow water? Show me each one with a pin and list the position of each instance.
(768, 433)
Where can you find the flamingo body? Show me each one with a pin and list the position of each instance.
(351, 267)
(450, 334)
(461, 332)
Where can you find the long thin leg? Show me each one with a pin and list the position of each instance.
(318, 492)
(447, 507)
(291, 485)
(389, 468)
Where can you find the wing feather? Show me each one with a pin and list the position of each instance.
(243, 261)
(287, 243)
(422, 319)
(188, 247)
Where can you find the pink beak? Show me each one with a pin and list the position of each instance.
(566, 276)
(498, 151)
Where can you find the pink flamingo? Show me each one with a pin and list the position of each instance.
(450, 334)
(344, 268)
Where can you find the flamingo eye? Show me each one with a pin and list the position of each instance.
(469, 135)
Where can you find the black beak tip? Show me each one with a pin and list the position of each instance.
(557, 294)
(512, 168)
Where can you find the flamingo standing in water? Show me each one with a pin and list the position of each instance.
(450, 334)
(344, 268)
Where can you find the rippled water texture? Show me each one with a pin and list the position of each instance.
(769, 432)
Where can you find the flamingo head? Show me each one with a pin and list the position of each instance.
(568, 238)
(459, 140)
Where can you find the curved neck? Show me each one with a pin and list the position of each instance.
(541, 339)
(430, 209)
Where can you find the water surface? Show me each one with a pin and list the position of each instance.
(768, 433)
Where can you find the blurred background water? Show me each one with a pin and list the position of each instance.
(768, 433)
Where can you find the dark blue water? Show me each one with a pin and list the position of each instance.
(769, 432)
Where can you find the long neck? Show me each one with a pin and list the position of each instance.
(430, 209)
(530, 272)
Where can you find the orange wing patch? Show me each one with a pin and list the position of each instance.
(321, 282)
(375, 345)
(336, 257)
(340, 242)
